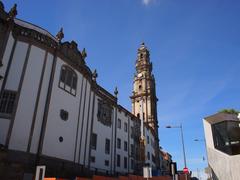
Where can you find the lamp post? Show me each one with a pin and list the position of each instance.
(184, 154)
(205, 145)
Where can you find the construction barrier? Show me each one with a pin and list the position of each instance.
(129, 177)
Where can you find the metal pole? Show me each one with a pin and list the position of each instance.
(209, 167)
(184, 155)
(209, 174)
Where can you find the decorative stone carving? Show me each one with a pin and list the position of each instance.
(13, 12)
(60, 35)
(116, 91)
(3, 14)
(94, 75)
(68, 49)
(84, 53)
(104, 113)
(71, 51)
(64, 115)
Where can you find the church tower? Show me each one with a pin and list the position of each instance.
(144, 91)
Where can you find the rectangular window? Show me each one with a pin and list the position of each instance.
(125, 127)
(92, 159)
(132, 164)
(148, 155)
(107, 146)
(132, 150)
(119, 123)
(148, 139)
(153, 158)
(118, 143)
(63, 74)
(94, 141)
(125, 146)
(68, 80)
(226, 137)
(118, 160)
(132, 132)
(106, 163)
(7, 102)
(125, 162)
(74, 82)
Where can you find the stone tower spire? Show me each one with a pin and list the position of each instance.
(144, 89)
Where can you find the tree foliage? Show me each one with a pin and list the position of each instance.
(230, 111)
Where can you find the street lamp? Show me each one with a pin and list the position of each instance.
(203, 140)
(184, 155)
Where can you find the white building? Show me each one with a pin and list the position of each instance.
(222, 134)
(53, 112)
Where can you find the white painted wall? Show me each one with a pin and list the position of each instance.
(124, 137)
(16, 68)
(82, 89)
(149, 147)
(57, 127)
(84, 118)
(24, 114)
(41, 105)
(102, 132)
(88, 137)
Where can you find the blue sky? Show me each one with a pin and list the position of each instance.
(194, 46)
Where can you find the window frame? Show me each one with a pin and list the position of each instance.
(94, 146)
(226, 137)
(118, 143)
(125, 127)
(125, 146)
(118, 160)
(74, 80)
(119, 122)
(107, 146)
(125, 162)
(8, 99)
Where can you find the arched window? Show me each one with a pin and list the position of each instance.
(68, 80)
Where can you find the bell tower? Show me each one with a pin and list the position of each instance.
(144, 91)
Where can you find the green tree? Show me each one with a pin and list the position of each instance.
(230, 111)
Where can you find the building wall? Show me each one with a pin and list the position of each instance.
(150, 147)
(123, 136)
(103, 132)
(223, 165)
(41, 104)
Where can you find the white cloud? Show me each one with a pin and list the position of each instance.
(146, 2)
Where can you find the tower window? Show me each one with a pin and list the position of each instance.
(138, 115)
(140, 87)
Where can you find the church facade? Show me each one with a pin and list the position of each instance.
(54, 113)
